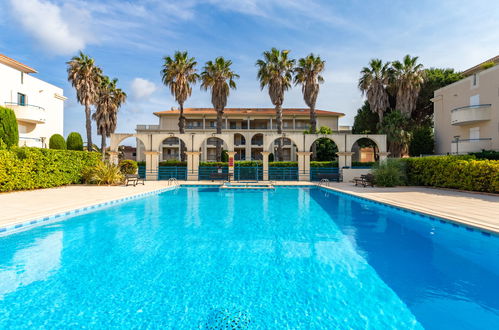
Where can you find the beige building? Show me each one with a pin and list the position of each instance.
(466, 113)
(247, 125)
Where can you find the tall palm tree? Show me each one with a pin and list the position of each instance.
(110, 99)
(409, 76)
(84, 76)
(374, 82)
(179, 73)
(308, 75)
(275, 71)
(219, 78)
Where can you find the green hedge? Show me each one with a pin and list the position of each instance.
(458, 172)
(32, 168)
(9, 133)
(486, 154)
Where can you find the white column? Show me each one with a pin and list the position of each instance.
(152, 160)
(192, 165)
(294, 123)
(344, 159)
(304, 165)
(247, 150)
(265, 155)
(204, 123)
(383, 156)
(270, 122)
(249, 122)
(113, 157)
(226, 123)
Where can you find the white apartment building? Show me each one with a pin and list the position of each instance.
(248, 125)
(38, 105)
(466, 113)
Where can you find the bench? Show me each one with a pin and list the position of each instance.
(133, 179)
(364, 180)
(220, 176)
(330, 176)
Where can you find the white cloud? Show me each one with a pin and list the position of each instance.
(52, 26)
(142, 88)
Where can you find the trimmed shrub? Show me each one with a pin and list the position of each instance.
(57, 142)
(128, 166)
(486, 154)
(171, 162)
(74, 141)
(458, 172)
(323, 164)
(9, 132)
(32, 168)
(363, 164)
(389, 173)
(283, 164)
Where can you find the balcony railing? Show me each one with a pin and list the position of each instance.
(27, 112)
(470, 114)
(470, 145)
(147, 127)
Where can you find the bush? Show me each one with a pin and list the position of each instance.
(128, 166)
(389, 173)
(103, 173)
(422, 141)
(171, 162)
(9, 132)
(323, 164)
(486, 154)
(57, 142)
(458, 172)
(74, 141)
(32, 168)
(283, 164)
(363, 164)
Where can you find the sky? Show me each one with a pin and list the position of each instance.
(128, 40)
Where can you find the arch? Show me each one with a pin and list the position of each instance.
(270, 138)
(170, 149)
(338, 139)
(257, 139)
(289, 154)
(365, 150)
(116, 140)
(199, 139)
(378, 139)
(210, 151)
(325, 151)
(239, 139)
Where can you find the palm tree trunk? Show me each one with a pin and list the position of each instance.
(88, 125)
(278, 111)
(181, 125)
(220, 113)
(103, 146)
(313, 120)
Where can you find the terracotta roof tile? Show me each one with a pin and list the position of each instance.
(249, 111)
(16, 65)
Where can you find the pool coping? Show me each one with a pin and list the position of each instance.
(432, 216)
(39, 221)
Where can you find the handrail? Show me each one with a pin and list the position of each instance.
(24, 105)
(476, 106)
(466, 140)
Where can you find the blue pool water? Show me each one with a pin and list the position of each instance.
(299, 258)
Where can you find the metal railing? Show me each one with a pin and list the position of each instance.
(7, 104)
(476, 106)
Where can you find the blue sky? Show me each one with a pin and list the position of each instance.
(129, 38)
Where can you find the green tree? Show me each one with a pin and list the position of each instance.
(323, 149)
(179, 73)
(219, 78)
(422, 141)
(110, 98)
(408, 78)
(395, 126)
(374, 82)
(366, 121)
(275, 71)
(308, 75)
(57, 142)
(84, 76)
(74, 141)
(434, 79)
(9, 132)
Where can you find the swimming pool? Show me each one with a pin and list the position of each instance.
(199, 257)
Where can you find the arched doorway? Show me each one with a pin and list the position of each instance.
(170, 149)
(324, 159)
(132, 148)
(285, 167)
(256, 147)
(366, 152)
(240, 146)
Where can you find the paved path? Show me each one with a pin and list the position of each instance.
(472, 209)
(478, 210)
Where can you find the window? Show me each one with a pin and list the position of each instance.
(233, 125)
(474, 80)
(21, 99)
(475, 99)
(474, 133)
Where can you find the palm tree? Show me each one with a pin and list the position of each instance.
(178, 74)
(219, 78)
(275, 71)
(84, 76)
(308, 74)
(110, 99)
(374, 82)
(409, 76)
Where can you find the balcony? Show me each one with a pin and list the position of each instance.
(27, 113)
(471, 145)
(470, 114)
(147, 128)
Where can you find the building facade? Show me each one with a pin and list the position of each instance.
(38, 105)
(466, 113)
(246, 125)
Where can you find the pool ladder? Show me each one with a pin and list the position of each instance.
(173, 182)
(324, 182)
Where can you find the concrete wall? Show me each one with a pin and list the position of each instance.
(350, 173)
(458, 95)
(38, 93)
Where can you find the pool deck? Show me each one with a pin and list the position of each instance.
(477, 210)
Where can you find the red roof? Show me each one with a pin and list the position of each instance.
(249, 111)
(16, 65)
